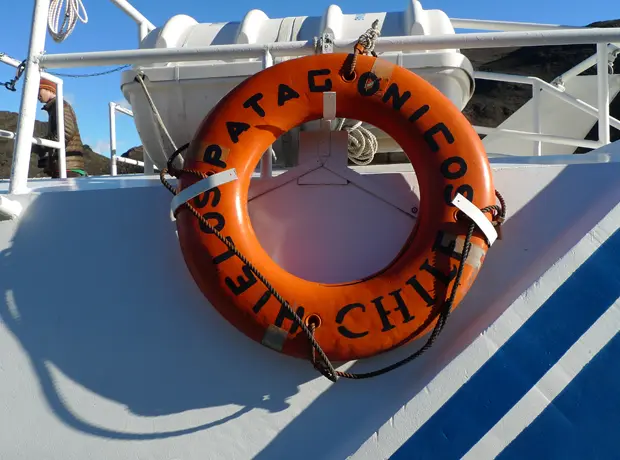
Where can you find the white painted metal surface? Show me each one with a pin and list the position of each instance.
(132, 372)
(129, 372)
(185, 91)
(304, 48)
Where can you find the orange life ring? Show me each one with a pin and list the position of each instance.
(363, 317)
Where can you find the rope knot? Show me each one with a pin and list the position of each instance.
(366, 43)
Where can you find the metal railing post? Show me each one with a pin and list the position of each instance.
(147, 165)
(536, 121)
(112, 118)
(28, 104)
(266, 162)
(604, 134)
(143, 31)
(60, 124)
(133, 13)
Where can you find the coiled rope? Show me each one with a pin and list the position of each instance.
(71, 15)
(362, 144)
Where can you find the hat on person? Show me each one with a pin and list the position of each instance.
(46, 84)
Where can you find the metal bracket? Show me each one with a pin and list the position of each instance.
(202, 186)
(325, 43)
(475, 214)
(611, 58)
(559, 83)
(317, 154)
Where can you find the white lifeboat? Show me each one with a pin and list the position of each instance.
(185, 92)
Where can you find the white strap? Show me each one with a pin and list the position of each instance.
(202, 186)
(475, 214)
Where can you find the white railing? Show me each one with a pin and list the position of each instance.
(505, 26)
(605, 121)
(144, 25)
(147, 164)
(60, 144)
(534, 35)
(605, 55)
(31, 78)
(307, 47)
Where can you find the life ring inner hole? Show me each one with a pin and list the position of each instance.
(337, 223)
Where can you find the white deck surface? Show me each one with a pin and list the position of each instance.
(108, 350)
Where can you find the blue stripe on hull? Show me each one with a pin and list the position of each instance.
(583, 422)
(516, 367)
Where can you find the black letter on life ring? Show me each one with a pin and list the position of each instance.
(400, 306)
(243, 284)
(349, 334)
(415, 116)
(398, 100)
(286, 93)
(314, 88)
(443, 278)
(212, 215)
(438, 128)
(445, 168)
(225, 255)
(465, 189)
(253, 102)
(383, 314)
(284, 314)
(364, 88)
(235, 128)
(213, 156)
(202, 200)
(260, 303)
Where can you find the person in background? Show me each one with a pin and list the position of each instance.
(74, 148)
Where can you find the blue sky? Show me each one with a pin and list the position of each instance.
(108, 28)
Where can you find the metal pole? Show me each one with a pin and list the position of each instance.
(35, 140)
(478, 24)
(112, 118)
(266, 162)
(496, 76)
(539, 137)
(133, 13)
(536, 122)
(301, 48)
(60, 115)
(15, 63)
(604, 135)
(121, 109)
(28, 104)
(143, 31)
(130, 161)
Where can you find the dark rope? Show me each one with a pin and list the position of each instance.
(329, 370)
(323, 364)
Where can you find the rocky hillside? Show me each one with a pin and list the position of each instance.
(95, 163)
(490, 106)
